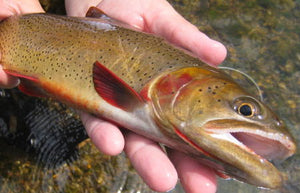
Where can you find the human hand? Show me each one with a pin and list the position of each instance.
(9, 8)
(158, 17)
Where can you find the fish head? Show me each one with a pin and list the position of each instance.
(215, 116)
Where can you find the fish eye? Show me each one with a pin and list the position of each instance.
(246, 109)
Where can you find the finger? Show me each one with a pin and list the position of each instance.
(193, 176)
(13, 7)
(7, 81)
(151, 163)
(130, 12)
(171, 25)
(106, 136)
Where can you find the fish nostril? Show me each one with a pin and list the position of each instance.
(278, 121)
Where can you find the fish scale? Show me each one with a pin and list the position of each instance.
(142, 83)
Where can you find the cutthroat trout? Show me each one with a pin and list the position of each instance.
(142, 83)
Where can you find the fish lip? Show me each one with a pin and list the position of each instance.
(238, 136)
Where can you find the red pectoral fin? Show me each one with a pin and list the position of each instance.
(113, 89)
(28, 84)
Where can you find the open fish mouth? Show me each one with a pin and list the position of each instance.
(266, 145)
(268, 148)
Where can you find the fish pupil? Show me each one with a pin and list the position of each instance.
(245, 110)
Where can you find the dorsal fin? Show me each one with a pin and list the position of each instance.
(113, 89)
(95, 13)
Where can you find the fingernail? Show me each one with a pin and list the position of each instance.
(174, 189)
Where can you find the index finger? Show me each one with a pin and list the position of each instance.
(171, 25)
